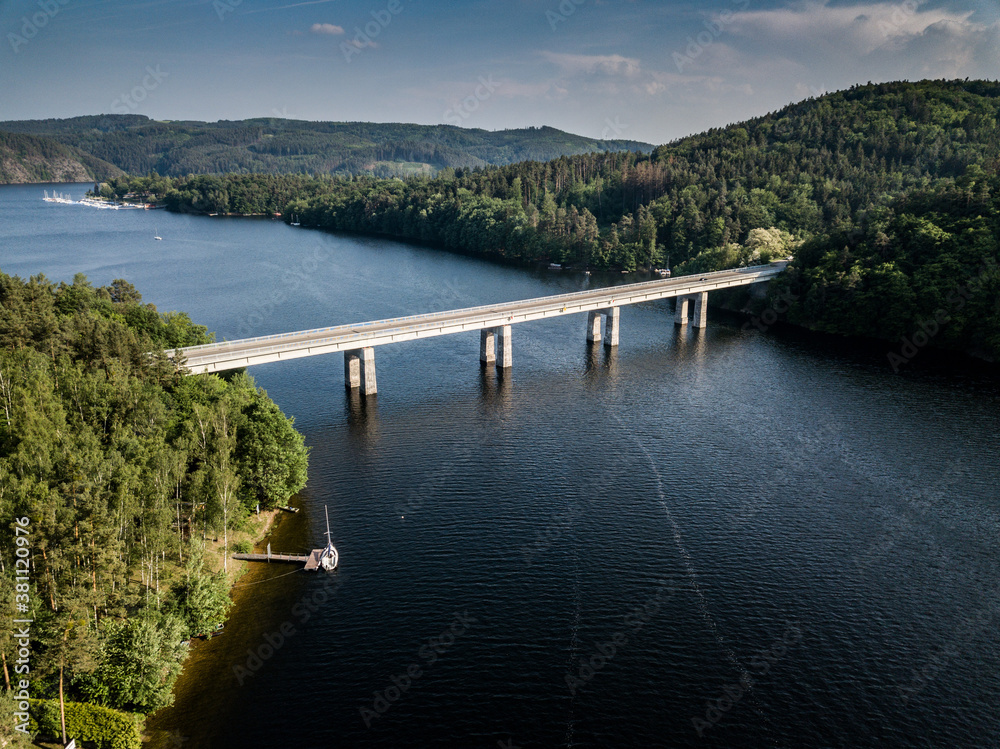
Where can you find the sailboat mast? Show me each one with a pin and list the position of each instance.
(327, 512)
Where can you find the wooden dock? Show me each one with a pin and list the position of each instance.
(311, 560)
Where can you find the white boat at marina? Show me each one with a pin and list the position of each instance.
(328, 558)
(57, 197)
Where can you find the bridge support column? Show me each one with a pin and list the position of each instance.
(594, 326)
(701, 310)
(359, 370)
(681, 310)
(505, 356)
(611, 325)
(352, 369)
(488, 346)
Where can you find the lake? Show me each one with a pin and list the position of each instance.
(715, 538)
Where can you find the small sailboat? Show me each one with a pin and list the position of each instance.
(156, 235)
(295, 220)
(328, 558)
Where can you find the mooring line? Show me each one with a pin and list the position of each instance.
(258, 582)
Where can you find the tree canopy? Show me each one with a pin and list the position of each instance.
(124, 467)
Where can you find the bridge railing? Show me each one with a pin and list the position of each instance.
(624, 289)
(340, 337)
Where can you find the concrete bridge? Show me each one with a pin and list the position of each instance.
(358, 340)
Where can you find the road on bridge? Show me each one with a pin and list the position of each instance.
(226, 355)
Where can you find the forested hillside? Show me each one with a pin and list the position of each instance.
(122, 475)
(27, 158)
(273, 145)
(822, 172)
(925, 271)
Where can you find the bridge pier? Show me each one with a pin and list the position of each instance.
(505, 358)
(611, 326)
(684, 304)
(352, 369)
(594, 326)
(492, 339)
(488, 346)
(701, 309)
(681, 310)
(359, 370)
(612, 318)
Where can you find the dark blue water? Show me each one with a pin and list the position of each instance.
(720, 538)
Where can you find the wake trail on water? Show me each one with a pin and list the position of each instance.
(574, 646)
(692, 577)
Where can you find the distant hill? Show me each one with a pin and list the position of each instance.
(28, 158)
(139, 145)
(887, 196)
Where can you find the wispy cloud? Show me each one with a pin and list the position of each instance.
(591, 64)
(805, 46)
(286, 7)
(858, 28)
(326, 28)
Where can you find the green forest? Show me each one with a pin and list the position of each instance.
(132, 481)
(129, 481)
(138, 145)
(886, 195)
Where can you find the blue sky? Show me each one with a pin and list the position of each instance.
(637, 69)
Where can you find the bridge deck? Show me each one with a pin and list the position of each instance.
(217, 357)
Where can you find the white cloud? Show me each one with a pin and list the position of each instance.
(326, 28)
(951, 50)
(591, 64)
(808, 46)
(853, 29)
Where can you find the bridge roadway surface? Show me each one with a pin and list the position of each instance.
(245, 352)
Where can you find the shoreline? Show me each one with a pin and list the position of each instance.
(202, 690)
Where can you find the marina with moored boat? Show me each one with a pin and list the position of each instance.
(326, 558)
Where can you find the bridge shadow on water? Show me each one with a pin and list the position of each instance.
(362, 417)
(496, 388)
